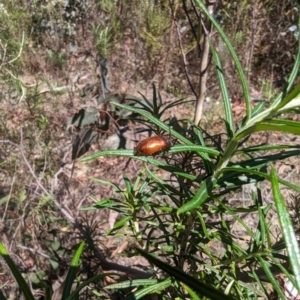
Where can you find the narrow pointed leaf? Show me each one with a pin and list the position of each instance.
(224, 90)
(197, 285)
(191, 292)
(280, 125)
(200, 197)
(131, 283)
(155, 288)
(271, 278)
(15, 271)
(72, 272)
(287, 229)
(96, 278)
(290, 101)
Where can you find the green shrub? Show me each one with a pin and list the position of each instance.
(188, 222)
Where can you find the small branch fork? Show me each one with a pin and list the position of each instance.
(205, 29)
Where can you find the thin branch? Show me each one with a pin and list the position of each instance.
(191, 23)
(20, 51)
(205, 61)
(35, 251)
(9, 196)
(20, 147)
(184, 60)
(195, 10)
(29, 166)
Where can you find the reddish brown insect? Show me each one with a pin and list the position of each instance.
(152, 145)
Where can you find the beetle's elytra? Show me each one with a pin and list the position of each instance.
(152, 146)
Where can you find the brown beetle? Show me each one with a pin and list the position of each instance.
(152, 145)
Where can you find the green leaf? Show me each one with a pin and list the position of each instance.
(287, 228)
(233, 56)
(200, 197)
(262, 161)
(267, 148)
(122, 152)
(191, 292)
(72, 272)
(272, 125)
(224, 90)
(292, 100)
(17, 274)
(131, 283)
(258, 108)
(105, 182)
(105, 203)
(194, 148)
(148, 159)
(270, 276)
(121, 223)
(197, 285)
(264, 227)
(96, 278)
(262, 174)
(155, 288)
